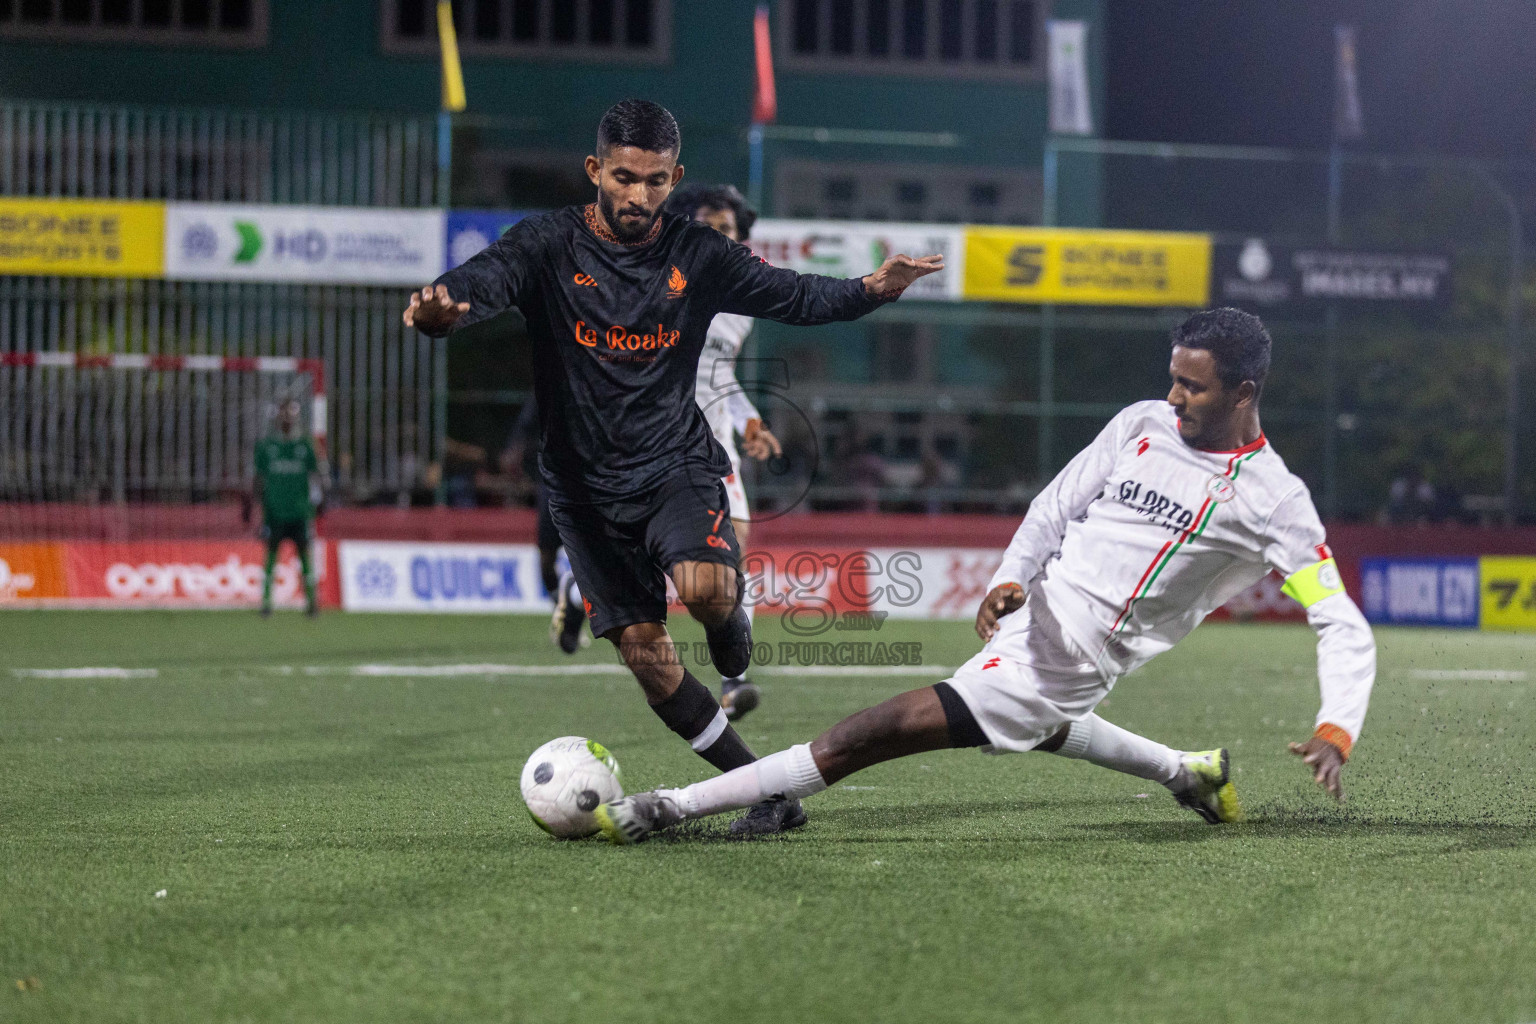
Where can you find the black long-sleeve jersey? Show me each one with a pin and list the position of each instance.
(617, 330)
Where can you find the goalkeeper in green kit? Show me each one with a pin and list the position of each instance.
(286, 466)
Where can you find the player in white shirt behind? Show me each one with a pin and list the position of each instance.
(1176, 507)
(725, 403)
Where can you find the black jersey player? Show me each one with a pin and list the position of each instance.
(618, 298)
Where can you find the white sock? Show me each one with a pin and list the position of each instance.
(790, 773)
(1106, 744)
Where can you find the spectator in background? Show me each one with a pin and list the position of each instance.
(938, 475)
(867, 473)
(463, 462)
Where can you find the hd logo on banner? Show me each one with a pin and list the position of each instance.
(1087, 267)
(335, 245)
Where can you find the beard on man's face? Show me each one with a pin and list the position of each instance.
(622, 221)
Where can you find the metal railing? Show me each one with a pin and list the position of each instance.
(387, 429)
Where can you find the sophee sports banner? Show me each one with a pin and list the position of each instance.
(404, 576)
(1087, 267)
(312, 244)
(81, 238)
(853, 249)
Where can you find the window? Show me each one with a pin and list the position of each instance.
(933, 193)
(631, 31)
(235, 23)
(952, 38)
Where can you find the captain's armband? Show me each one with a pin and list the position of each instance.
(1315, 582)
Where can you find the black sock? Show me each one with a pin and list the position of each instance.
(693, 713)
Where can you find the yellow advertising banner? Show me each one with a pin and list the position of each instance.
(1086, 266)
(81, 237)
(1509, 592)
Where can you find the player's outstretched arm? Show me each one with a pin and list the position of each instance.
(433, 311)
(492, 280)
(1346, 648)
(897, 273)
(751, 287)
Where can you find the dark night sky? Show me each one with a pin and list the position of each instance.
(1445, 76)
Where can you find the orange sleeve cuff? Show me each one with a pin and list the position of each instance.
(1338, 737)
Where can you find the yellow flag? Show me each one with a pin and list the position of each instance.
(453, 74)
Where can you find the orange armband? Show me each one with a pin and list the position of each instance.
(1338, 737)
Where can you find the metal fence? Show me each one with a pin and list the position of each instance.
(387, 428)
(217, 155)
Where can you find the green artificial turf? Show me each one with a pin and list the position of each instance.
(339, 847)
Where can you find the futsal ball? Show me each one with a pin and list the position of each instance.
(565, 780)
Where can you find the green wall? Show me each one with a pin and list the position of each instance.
(328, 56)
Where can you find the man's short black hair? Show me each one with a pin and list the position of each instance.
(641, 124)
(1236, 340)
(690, 199)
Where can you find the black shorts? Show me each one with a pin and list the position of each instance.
(297, 530)
(549, 537)
(621, 551)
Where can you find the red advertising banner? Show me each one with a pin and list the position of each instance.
(185, 573)
(31, 572)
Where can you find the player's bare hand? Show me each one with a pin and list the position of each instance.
(758, 441)
(1004, 598)
(432, 311)
(896, 273)
(1326, 762)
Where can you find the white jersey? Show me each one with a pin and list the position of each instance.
(1141, 537)
(718, 392)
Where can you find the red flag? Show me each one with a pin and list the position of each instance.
(765, 102)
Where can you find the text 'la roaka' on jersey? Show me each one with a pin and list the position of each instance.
(617, 330)
(1142, 536)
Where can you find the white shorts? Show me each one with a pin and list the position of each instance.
(734, 491)
(1023, 690)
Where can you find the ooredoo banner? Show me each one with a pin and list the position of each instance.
(313, 244)
(159, 574)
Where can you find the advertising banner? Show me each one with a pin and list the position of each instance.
(1083, 266)
(1420, 591)
(81, 238)
(469, 231)
(31, 572)
(853, 249)
(930, 583)
(182, 573)
(1257, 274)
(1508, 592)
(1067, 50)
(312, 244)
(404, 576)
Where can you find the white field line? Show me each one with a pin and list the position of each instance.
(1473, 675)
(440, 671)
(85, 673)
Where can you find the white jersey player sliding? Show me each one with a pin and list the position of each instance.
(726, 406)
(1174, 508)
